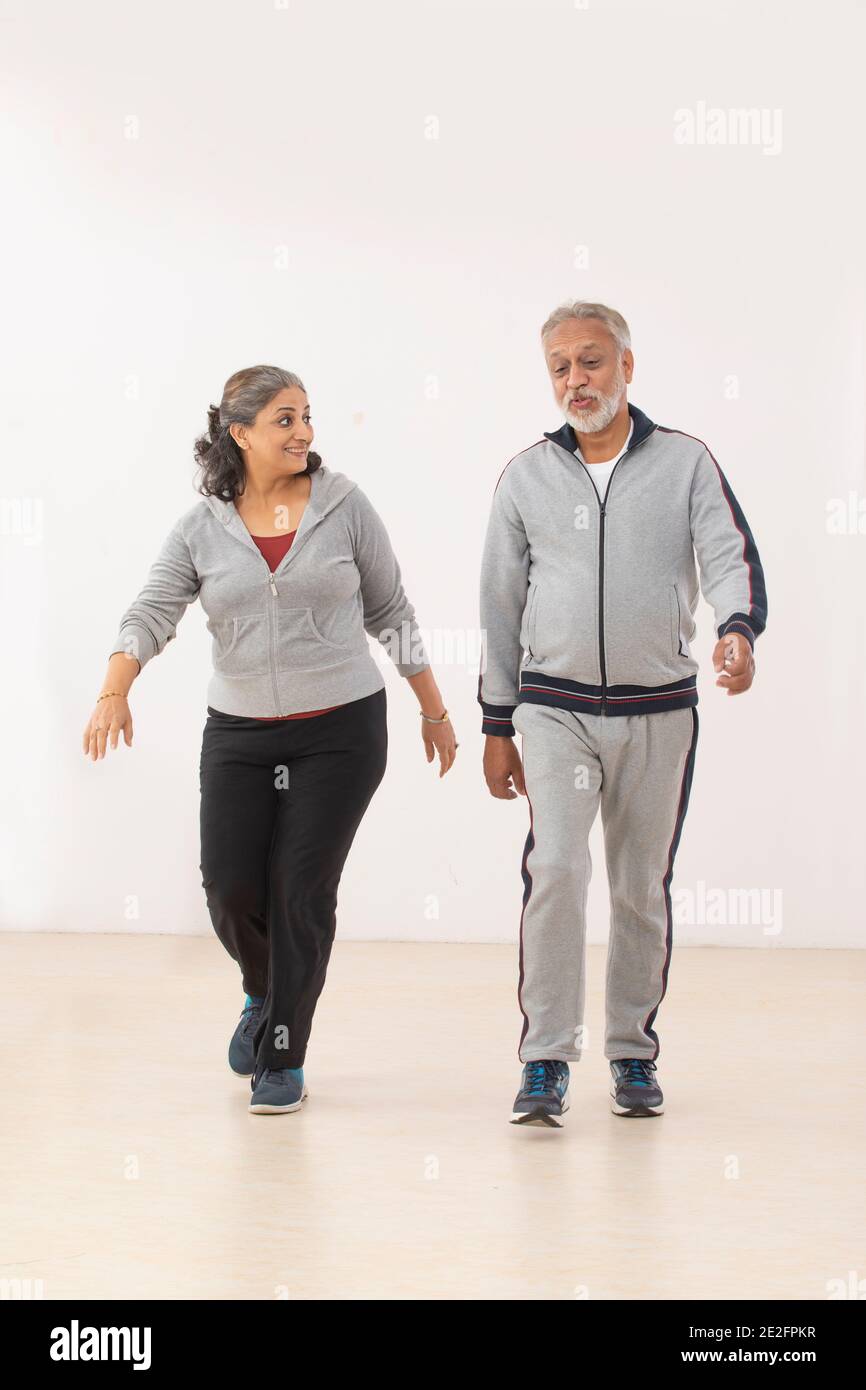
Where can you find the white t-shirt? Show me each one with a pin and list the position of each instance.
(600, 472)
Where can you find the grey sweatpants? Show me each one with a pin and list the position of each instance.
(638, 768)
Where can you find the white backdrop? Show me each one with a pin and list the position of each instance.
(388, 199)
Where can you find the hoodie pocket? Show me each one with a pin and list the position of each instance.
(300, 644)
(240, 646)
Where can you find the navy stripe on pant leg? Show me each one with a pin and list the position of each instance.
(527, 890)
(685, 790)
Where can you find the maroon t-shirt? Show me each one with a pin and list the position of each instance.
(274, 548)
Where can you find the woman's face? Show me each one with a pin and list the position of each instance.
(282, 434)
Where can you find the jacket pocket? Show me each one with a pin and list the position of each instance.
(240, 646)
(320, 636)
(563, 636)
(300, 644)
(646, 623)
(682, 626)
(528, 633)
(674, 605)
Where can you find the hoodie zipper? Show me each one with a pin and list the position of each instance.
(271, 609)
(271, 613)
(272, 624)
(602, 513)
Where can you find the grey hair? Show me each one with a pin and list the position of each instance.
(245, 394)
(584, 309)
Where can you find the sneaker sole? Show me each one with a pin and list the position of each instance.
(635, 1111)
(263, 1108)
(539, 1116)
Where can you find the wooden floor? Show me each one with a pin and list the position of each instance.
(131, 1167)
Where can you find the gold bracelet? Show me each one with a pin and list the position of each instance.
(431, 720)
(105, 694)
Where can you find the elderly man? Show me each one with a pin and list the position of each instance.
(588, 591)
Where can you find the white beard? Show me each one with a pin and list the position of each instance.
(601, 414)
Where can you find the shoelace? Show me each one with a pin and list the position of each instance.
(280, 1075)
(638, 1072)
(541, 1076)
(254, 1011)
(268, 1074)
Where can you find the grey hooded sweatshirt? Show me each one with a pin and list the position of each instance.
(294, 639)
(589, 604)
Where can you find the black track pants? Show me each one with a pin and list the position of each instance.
(280, 806)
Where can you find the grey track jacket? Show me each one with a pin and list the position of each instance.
(293, 640)
(589, 605)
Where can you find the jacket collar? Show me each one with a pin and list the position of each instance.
(643, 426)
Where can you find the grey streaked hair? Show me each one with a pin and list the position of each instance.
(584, 309)
(248, 391)
(245, 394)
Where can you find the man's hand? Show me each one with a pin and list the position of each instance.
(733, 656)
(502, 767)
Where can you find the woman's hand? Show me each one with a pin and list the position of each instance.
(109, 717)
(438, 738)
(441, 739)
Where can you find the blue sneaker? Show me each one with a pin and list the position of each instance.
(242, 1058)
(543, 1096)
(277, 1090)
(635, 1090)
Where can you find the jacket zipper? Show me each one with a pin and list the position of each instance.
(601, 516)
(272, 634)
(272, 612)
(272, 626)
(602, 513)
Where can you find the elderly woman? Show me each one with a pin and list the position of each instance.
(293, 566)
